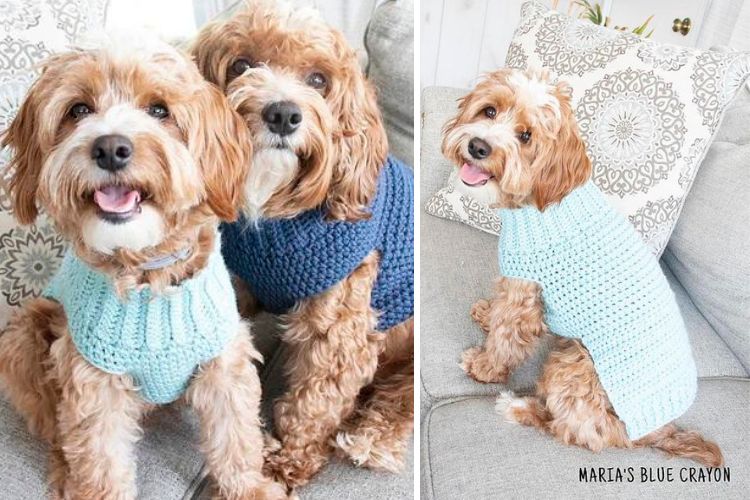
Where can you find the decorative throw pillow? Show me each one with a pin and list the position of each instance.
(30, 31)
(646, 111)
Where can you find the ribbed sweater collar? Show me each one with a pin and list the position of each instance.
(529, 229)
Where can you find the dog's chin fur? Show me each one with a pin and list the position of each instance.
(541, 172)
(274, 168)
(142, 230)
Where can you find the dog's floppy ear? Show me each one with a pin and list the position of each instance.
(25, 164)
(565, 164)
(360, 142)
(220, 142)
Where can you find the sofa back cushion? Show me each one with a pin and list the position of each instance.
(390, 54)
(709, 251)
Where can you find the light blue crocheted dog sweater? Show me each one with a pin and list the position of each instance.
(601, 284)
(159, 340)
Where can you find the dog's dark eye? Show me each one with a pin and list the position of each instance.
(317, 81)
(79, 110)
(241, 65)
(490, 112)
(158, 111)
(524, 137)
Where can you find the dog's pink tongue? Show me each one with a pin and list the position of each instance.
(471, 174)
(116, 199)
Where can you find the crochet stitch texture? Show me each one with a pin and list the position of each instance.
(286, 260)
(159, 340)
(602, 285)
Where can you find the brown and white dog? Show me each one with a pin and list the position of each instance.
(516, 135)
(350, 386)
(134, 156)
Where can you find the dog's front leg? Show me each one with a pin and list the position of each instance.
(514, 319)
(98, 424)
(333, 354)
(226, 396)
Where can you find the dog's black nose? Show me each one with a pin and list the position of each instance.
(479, 149)
(283, 117)
(112, 152)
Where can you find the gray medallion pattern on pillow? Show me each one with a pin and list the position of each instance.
(654, 221)
(647, 111)
(32, 30)
(570, 47)
(531, 12)
(707, 85)
(75, 16)
(29, 256)
(516, 56)
(667, 57)
(634, 127)
(451, 204)
(19, 55)
(19, 15)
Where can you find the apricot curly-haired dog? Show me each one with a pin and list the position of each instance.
(621, 368)
(136, 158)
(327, 236)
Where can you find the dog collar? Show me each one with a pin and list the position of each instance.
(166, 260)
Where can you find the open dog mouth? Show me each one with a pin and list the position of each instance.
(117, 203)
(474, 176)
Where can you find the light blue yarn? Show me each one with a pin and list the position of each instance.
(601, 284)
(159, 340)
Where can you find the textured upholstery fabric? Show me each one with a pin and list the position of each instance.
(709, 249)
(169, 464)
(469, 452)
(389, 41)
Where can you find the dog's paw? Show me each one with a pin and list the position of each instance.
(477, 364)
(480, 313)
(366, 450)
(506, 405)
(294, 467)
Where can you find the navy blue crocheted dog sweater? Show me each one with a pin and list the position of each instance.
(286, 260)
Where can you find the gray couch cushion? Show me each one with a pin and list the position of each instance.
(709, 249)
(169, 464)
(458, 265)
(390, 47)
(471, 452)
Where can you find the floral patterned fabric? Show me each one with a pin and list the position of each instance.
(646, 111)
(30, 31)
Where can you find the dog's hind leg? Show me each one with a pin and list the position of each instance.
(24, 364)
(333, 354)
(377, 434)
(515, 320)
